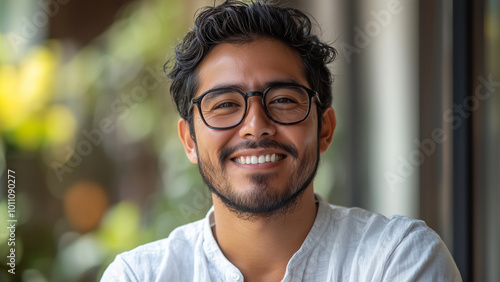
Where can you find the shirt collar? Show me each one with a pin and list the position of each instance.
(223, 265)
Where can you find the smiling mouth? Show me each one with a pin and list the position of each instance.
(259, 159)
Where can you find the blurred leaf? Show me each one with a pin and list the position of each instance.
(120, 228)
(79, 257)
(26, 88)
(29, 134)
(60, 124)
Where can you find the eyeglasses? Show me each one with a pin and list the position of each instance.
(283, 103)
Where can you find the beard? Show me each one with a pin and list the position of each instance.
(261, 200)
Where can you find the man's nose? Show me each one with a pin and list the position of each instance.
(256, 123)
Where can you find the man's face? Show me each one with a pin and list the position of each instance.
(292, 150)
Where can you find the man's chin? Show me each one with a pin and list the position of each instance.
(263, 180)
(260, 202)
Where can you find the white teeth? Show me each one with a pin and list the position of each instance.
(262, 159)
(258, 159)
(254, 160)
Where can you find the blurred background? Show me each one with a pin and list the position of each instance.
(88, 126)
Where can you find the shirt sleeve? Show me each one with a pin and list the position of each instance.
(421, 255)
(119, 270)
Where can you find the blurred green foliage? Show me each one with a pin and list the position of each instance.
(69, 115)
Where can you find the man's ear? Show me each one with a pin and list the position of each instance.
(187, 140)
(327, 128)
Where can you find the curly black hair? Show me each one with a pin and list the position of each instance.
(239, 22)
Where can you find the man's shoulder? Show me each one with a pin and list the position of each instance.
(398, 248)
(181, 239)
(152, 259)
(374, 233)
(360, 220)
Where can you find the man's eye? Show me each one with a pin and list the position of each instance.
(226, 105)
(283, 101)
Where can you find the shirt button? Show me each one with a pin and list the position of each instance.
(235, 276)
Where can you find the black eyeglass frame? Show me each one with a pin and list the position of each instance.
(311, 93)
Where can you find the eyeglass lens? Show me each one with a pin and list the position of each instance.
(226, 107)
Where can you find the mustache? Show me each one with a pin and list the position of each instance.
(264, 144)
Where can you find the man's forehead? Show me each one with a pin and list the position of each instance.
(252, 64)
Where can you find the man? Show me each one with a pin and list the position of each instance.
(254, 93)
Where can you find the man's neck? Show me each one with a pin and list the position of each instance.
(261, 248)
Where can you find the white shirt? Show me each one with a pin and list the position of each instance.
(344, 244)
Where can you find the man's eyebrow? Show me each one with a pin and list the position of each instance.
(262, 87)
